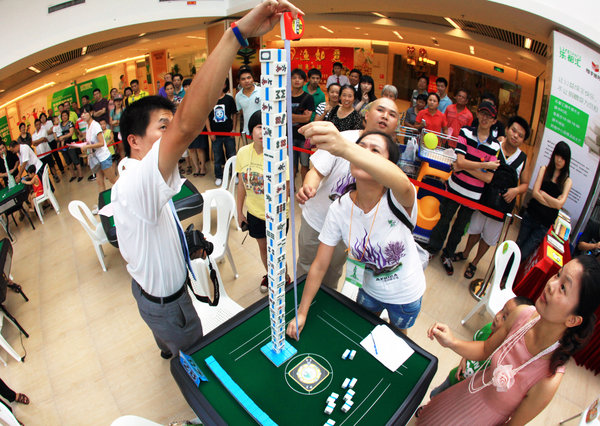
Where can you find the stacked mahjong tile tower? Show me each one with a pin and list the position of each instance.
(273, 81)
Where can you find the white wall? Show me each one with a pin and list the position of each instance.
(28, 28)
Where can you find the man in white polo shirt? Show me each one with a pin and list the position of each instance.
(148, 230)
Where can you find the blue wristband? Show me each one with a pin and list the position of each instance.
(236, 31)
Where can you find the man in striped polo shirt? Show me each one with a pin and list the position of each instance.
(475, 162)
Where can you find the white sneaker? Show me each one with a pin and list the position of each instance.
(95, 209)
(218, 182)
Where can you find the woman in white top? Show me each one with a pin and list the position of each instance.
(100, 160)
(382, 255)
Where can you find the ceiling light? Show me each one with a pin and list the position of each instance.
(326, 29)
(277, 35)
(2, 90)
(31, 92)
(527, 43)
(142, 35)
(34, 69)
(357, 28)
(398, 35)
(83, 50)
(472, 49)
(451, 22)
(196, 37)
(379, 14)
(435, 42)
(366, 33)
(135, 58)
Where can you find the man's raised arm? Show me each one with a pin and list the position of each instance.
(207, 86)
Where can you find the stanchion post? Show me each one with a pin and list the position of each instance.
(478, 286)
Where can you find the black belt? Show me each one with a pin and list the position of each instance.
(167, 299)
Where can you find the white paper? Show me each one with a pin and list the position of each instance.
(107, 210)
(392, 350)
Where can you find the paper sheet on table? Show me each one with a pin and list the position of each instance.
(392, 350)
(78, 145)
(107, 210)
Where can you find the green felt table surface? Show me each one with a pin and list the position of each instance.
(8, 192)
(104, 199)
(332, 327)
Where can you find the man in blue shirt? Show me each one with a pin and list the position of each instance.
(442, 86)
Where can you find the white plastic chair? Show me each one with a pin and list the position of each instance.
(495, 297)
(4, 344)
(211, 316)
(46, 195)
(130, 420)
(225, 206)
(228, 184)
(92, 226)
(7, 417)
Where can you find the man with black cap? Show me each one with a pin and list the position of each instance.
(476, 151)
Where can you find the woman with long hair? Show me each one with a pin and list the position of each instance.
(365, 94)
(343, 116)
(527, 354)
(383, 258)
(333, 99)
(115, 124)
(550, 191)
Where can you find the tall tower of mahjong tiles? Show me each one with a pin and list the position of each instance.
(273, 79)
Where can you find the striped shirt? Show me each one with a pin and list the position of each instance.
(463, 183)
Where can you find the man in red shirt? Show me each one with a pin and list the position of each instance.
(458, 115)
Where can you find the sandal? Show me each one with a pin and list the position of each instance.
(470, 271)
(22, 399)
(457, 257)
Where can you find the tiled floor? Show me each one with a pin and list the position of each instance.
(90, 357)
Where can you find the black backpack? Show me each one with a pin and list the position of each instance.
(505, 177)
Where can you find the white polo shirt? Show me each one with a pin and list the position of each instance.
(27, 157)
(146, 228)
(248, 104)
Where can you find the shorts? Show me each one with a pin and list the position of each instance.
(302, 157)
(257, 228)
(106, 164)
(401, 316)
(71, 156)
(486, 226)
(201, 142)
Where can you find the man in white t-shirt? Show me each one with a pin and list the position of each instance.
(247, 100)
(40, 141)
(26, 158)
(325, 182)
(148, 231)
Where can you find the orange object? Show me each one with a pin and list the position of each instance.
(292, 28)
(429, 212)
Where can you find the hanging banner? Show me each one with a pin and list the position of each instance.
(61, 96)
(573, 116)
(322, 58)
(88, 87)
(4, 130)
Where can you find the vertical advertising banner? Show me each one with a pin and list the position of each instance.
(4, 131)
(158, 65)
(88, 87)
(574, 116)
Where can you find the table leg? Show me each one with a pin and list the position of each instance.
(26, 215)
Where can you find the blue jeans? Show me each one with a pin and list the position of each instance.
(402, 316)
(530, 236)
(217, 147)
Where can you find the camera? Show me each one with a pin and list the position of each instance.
(195, 241)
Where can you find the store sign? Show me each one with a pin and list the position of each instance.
(61, 96)
(4, 130)
(574, 116)
(88, 87)
(322, 58)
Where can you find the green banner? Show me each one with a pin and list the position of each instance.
(4, 131)
(88, 87)
(61, 96)
(567, 120)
